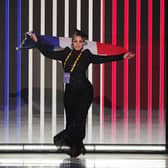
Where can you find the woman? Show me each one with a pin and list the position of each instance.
(78, 90)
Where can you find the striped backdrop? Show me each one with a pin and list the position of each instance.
(128, 88)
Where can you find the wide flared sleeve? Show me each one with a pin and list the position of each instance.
(58, 54)
(99, 59)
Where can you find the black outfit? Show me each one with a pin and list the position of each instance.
(78, 93)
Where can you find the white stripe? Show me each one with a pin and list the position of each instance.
(101, 88)
(90, 70)
(42, 75)
(66, 24)
(30, 62)
(78, 14)
(89, 147)
(66, 34)
(54, 73)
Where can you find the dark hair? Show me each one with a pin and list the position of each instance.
(80, 33)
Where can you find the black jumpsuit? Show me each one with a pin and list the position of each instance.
(78, 93)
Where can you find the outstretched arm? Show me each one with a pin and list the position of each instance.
(58, 54)
(98, 59)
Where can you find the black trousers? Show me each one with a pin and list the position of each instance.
(77, 100)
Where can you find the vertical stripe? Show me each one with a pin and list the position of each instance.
(162, 64)
(132, 72)
(48, 73)
(96, 67)
(114, 64)
(90, 69)
(144, 67)
(144, 58)
(30, 62)
(6, 85)
(59, 75)
(13, 60)
(138, 17)
(66, 34)
(149, 89)
(42, 75)
(155, 73)
(24, 66)
(149, 70)
(2, 55)
(126, 24)
(84, 21)
(18, 119)
(102, 74)
(48, 69)
(78, 14)
(54, 71)
(114, 23)
(108, 70)
(120, 73)
(36, 68)
(66, 27)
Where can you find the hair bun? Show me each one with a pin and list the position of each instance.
(80, 33)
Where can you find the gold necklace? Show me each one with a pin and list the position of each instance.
(74, 64)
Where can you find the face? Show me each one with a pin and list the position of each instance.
(77, 42)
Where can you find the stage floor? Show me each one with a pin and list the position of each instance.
(86, 161)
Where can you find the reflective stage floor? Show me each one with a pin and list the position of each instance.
(35, 127)
(84, 161)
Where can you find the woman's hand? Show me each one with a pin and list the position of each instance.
(129, 55)
(33, 37)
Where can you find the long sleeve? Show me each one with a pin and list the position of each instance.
(57, 55)
(99, 59)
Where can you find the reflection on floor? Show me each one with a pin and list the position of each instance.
(86, 161)
(36, 128)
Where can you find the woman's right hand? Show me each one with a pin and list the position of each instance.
(33, 37)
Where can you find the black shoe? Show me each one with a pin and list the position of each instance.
(75, 151)
(57, 140)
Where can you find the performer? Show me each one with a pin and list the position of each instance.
(78, 93)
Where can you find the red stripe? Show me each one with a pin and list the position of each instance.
(149, 70)
(103, 21)
(103, 66)
(138, 19)
(126, 16)
(114, 22)
(114, 42)
(102, 73)
(162, 22)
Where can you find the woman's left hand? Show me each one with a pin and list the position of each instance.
(129, 55)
